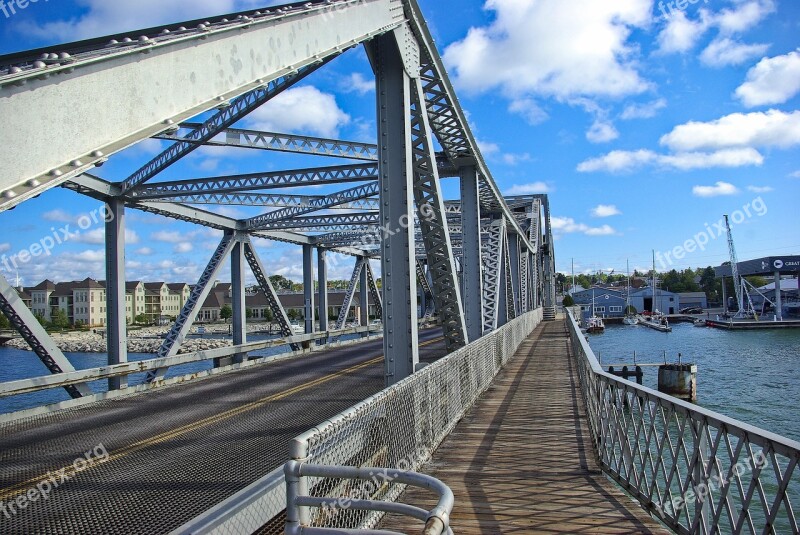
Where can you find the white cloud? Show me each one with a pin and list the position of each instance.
(602, 131)
(647, 110)
(680, 34)
(773, 128)
(144, 251)
(529, 110)
(796, 174)
(5, 247)
(303, 109)
(619, 161)
(104, 18)
(760, 189)
(356, 83)
(553, 48)
(605, 210)
(487, 147)
(170, 236)
(567, 225)
(743, 16)
(514, 159)
(58, 215)
(184, 247)
(771, 81)
(717, 190)
(724, 51)
(528, 189)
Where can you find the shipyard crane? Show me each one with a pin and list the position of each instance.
(737, 285)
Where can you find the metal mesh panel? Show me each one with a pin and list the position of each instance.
(696, 470)
(401, 426)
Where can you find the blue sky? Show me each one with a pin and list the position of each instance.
(643, 124)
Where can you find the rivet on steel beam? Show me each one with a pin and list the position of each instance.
(8, 194)
(76, 163)
(32, 183)
(97, 153)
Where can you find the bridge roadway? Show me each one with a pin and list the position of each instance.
(175, 452)
(521, 460)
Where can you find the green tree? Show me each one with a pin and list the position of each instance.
(141, 319)
(709, 284)
(226, 312)
(281, 283)
(4, 323)
(568, 301)
(41, 319)
(248, 312)
(268, 315)
(292, 314)
(60, 319)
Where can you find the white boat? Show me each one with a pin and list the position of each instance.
(699, 323)
(595, 325)
(630, 320)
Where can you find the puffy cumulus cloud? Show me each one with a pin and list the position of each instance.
(184, 247)
(144, 251)
(528, 189)
(620, 161)
(102, 17)
(773, 128)
(169, 236)
(605, 210)
(515, 159)
(602, 131)
(301, 109)
(5, 247)
(553, 48)
(717, 190)
(680, 33)
(567, 225)
(646, 110)
(771, 81)
(98, 236)
(529, 110)
(726, 51)
(357, 83)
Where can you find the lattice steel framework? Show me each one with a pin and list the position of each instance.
(493, 260)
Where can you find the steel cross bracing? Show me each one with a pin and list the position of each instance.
(433, 224)
(343, 197)
(511, 308)
(278, 313)
(271, 200)
(292, 143)
(348, 296)
(374, 292)
(324, 223)
(199, 293)
(260, 181)
(24, 322)
(493, 253)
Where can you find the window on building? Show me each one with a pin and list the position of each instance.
(599, 309)
(614, 309)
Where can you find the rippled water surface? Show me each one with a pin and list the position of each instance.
(753, 376)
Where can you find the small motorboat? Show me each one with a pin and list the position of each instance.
(595, 325)
(630, 320)
(699, 322)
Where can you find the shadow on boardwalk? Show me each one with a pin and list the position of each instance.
(521, 460)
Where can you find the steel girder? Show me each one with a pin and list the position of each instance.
(374, 292)
(370, 235)
(348, 296)
(278, 313)
(276, 200)
(524, 277)
(26, 324)
(433, 224)
(493, 253)
(200, 292)
(511, 309)
(335, 199)
(324, 223)
(261, 181)
(427, 292)
(84, 86)
(292, 143)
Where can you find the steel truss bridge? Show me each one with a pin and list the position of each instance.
(70, 108)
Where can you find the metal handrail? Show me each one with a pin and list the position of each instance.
(696, 470)
(297, 518)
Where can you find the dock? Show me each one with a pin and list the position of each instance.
(752, 325)
(522, 458)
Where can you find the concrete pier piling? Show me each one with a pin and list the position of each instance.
(678, 380)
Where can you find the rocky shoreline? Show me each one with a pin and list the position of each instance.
(146, 340)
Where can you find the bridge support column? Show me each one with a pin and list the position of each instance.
(322, 275)
(238, 264)
(516, 282)
(400, 340)
(116, 329)
(472, 261)
(308, 287)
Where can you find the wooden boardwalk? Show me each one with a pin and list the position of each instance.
(521, 460)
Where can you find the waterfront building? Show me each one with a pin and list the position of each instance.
(608, 303)
(776, 267)
(665, 302)
(693, 299)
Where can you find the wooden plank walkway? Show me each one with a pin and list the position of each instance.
(521, 460)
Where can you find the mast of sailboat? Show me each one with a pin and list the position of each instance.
(573, 278)
(654, 282)
(628, 280)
